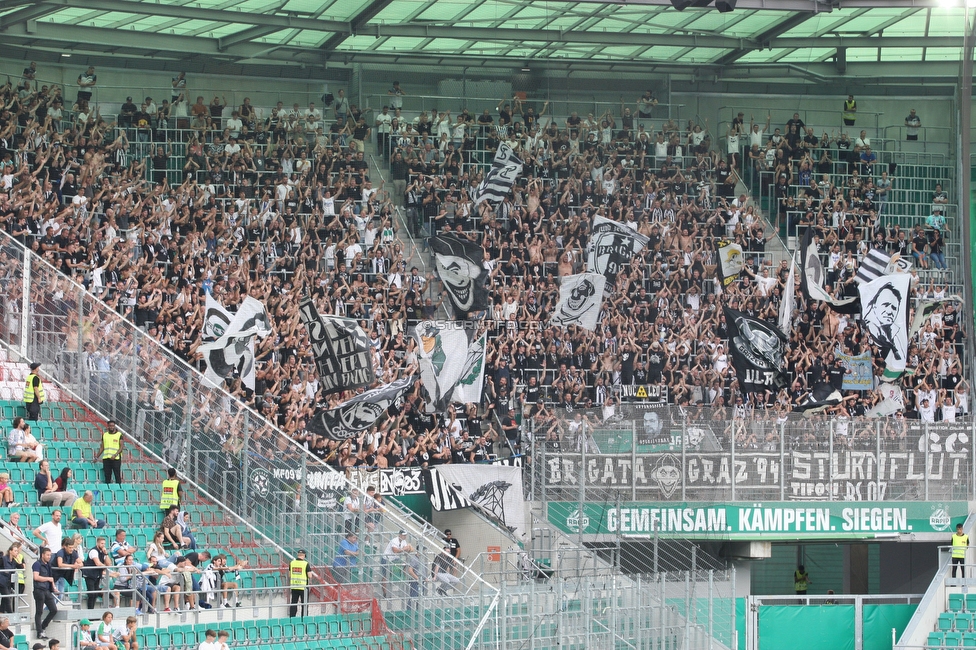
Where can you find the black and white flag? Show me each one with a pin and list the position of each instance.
(812, 278)
(884, 304)
(460, 266)
(925, 310)
(730, 263)
(228, 340)
(580, 299)
(612, 246)
(820, 398)
(892, 401)
(443, 495)
(343, 354)
(498, 181)
(873, 265)
(757, 350)
(359, 413)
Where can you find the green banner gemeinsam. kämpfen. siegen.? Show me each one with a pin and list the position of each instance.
(771, 520)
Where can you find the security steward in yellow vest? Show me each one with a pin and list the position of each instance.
(960, 543)
(298, 572)
(33, 393)
(171, 493)
(801, 580)
(850, 110)
(110, 451)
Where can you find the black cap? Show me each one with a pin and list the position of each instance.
(302, 552)
(35, 365)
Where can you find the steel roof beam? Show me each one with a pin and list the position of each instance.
(365, 14)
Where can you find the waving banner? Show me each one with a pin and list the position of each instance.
(884, 303)
(443, 353)
(613, 245)
(757, 352)
(505, 168)
(460, 266)
(341, 349)
(730, 263)
(812, 278)
(359, 413)
(580, 299)
(469, 386)
(230, 349)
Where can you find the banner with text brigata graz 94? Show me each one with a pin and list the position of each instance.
(778, 520)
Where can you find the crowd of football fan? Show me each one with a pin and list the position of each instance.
(277, 203)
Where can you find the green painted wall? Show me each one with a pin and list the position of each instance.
(824, 563)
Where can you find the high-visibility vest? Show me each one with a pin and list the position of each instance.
(799, 581)
(21, 578)
(111, 444)
(298, 574)
(29, 389)
(850, 109)
(959, 545)
(170, 495)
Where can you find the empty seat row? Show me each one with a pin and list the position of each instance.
(951, 640)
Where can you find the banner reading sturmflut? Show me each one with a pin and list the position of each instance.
(341, 349)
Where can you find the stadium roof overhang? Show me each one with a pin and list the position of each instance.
(306, 37)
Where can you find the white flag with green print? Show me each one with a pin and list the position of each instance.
(468, 389)
(442, 351)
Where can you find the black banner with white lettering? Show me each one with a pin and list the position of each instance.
(341, 349)
(757, 352)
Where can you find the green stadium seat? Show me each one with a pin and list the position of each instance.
(946, 622)
(969, 640)
(964, 621)
(953, 640)
(956, 602)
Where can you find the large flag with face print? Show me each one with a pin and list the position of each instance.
(757, 352)
(612, 246)
(228, 340)
(505, 168)
(359, 413)
(442, 348)
(342, 351)
(460, 266)
(884, 310)
(580, 299)
(812, 278)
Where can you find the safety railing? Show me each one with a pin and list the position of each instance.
(664, 453)
(231, 452)
(819, 120)
(420, 103)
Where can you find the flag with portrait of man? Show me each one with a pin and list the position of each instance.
(884, 310)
